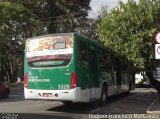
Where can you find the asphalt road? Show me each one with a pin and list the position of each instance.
(16, 107)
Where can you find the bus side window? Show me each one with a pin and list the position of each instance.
(83, 53)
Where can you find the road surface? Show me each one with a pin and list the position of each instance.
(16, 107)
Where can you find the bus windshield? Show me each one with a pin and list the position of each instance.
(49, 51)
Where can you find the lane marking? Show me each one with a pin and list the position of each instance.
(95, 110)
(121, 108)
(142, 99)
(148, 110)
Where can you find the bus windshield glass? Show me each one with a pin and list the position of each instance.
(49, 51)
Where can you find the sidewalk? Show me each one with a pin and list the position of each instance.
(15, 84)
(154, 107)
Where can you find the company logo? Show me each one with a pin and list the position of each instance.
(29, 73)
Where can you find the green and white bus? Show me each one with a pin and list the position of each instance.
(72, 68)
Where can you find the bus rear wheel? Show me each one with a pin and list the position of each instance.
(104, 95)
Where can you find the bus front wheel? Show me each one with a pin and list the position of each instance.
(104, 95)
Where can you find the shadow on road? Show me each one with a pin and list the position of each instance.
(78, 108)
(136, 102)
(86, 108)
(32, 116)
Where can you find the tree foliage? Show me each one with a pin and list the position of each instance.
(20, 20)
(12, 19)
(58, 15)
(130, 28)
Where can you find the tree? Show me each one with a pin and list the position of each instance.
(20, 20)
(130, 29)
(58, 15)
(14, 28)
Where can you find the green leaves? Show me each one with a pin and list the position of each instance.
(130, 28)
(10, 11)
(21, 19)
(13, 24)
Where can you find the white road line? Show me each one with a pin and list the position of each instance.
(149, 108)
(142, 99)
(95, 110)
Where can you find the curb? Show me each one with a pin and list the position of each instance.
(15, 84)
(148, 110)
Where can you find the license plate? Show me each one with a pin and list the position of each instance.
(47, 95)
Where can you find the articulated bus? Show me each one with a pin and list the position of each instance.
(72, 68)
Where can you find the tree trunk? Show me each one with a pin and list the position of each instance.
(2, 70)
(153, 82)
(2, 73)
(53, 12)
(8, 68)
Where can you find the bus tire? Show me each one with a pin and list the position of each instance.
(104, 95)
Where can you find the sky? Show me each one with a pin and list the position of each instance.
(97, 4)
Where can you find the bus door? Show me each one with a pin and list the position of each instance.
(92, 61)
